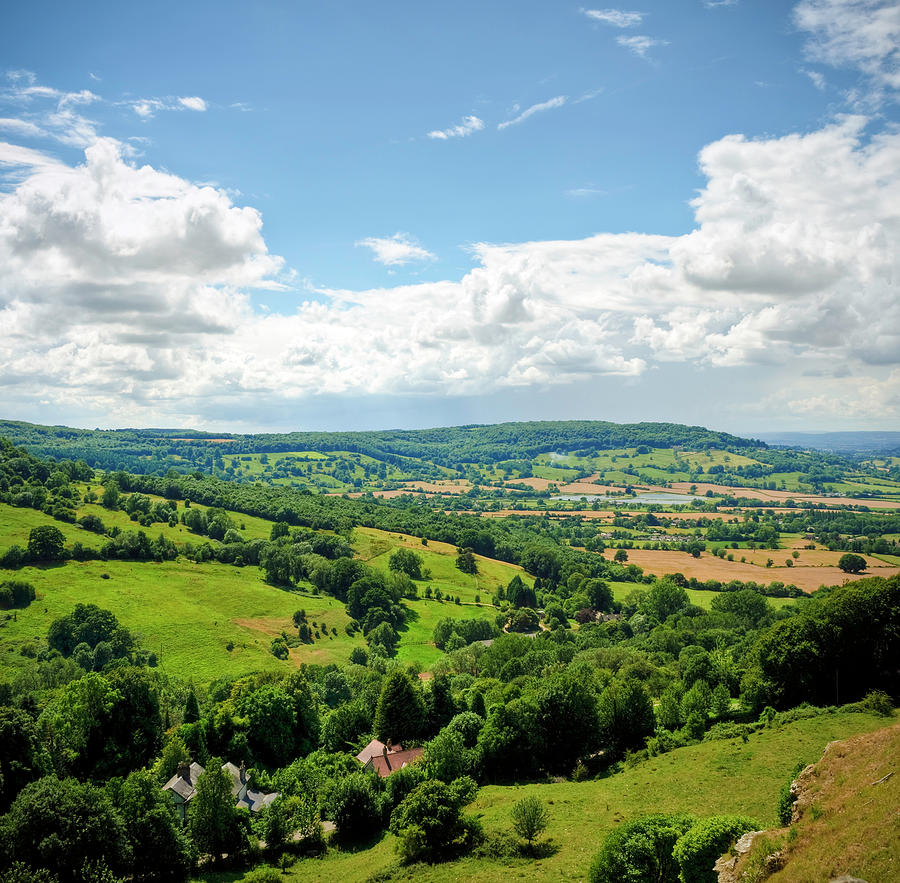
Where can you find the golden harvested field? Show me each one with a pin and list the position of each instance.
(778, 496)
(440, 487)
(806, 557)
(708, 566)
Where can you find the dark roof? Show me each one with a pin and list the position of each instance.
(183, 786)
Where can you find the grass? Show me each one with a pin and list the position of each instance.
(714, 777)
(188, 613)
(699, 597)
(185, 612)
(850, 825)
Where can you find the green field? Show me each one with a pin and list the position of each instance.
(698, 596)
(705, 779)
(188, 613)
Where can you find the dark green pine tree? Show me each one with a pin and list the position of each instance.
(400, 713)
(191, 708)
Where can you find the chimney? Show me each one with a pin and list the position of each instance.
(184, 770)
(387, 759)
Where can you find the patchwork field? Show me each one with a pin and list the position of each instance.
(780, 496)
(708, 566)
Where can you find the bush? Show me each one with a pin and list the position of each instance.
(429, 823)
(698, 849)
(264, 874)
(640, 851)
(15, 593)
(529, 817)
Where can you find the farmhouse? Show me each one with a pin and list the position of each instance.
(387, 759)
(182, 788)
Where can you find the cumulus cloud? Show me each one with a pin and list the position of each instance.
(193, 102)
(640, 44)
(468, 126)
(396, 250)
(125, 290)
(862, 34)
(615, 17)
(552, 104)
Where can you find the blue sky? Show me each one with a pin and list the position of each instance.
(295, 215)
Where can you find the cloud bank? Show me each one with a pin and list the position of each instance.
(125, 291)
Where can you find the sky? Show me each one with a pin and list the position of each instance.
(281, 215)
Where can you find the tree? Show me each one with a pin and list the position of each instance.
(621, 556)
(664, 598)
(46, 543)
(698, 848)
(160, 847)
(191, 707)
(625, 716)
(529, 817)
(566, 719)
(61, 824)
(354, 807)
(400, 713)
(22, 757)
(406, 561)
(212, 819)
(599, 594)
(520, 595)
(851, 563)
(110, 498)
(465, 561)
(429, 823)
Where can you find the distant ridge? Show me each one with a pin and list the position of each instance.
(881, 442)
(145, 450)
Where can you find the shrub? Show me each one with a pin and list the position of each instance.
(641, 850)
(697, 849)
(15, 593)
(264, 874)
(529, 817)
(429, 823)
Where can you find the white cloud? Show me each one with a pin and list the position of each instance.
(396, 250)
(715, 4)
(468, 126)
(193, 102)
(60, 120)
(124, 291)
(640, 44)
(862, 34)
(552, 104)
(817, 79)
(581, 192)
(615, 17)
(23, 128)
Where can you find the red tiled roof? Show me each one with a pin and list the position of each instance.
(384, 764)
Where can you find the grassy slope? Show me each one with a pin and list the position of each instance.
(185, 612)
(188, 613)
(705, 779)
(856, 829)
